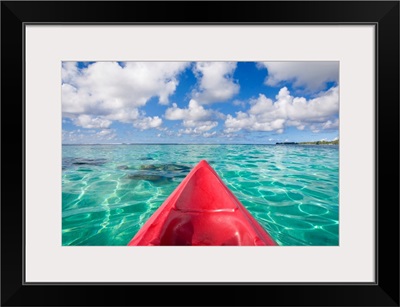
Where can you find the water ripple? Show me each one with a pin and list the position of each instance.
(109, 192)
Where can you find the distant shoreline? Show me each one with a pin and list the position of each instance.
(164, 144)
(279, 143)
(335, 142)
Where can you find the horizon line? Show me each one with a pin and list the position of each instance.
(168, 144)
(278, 143)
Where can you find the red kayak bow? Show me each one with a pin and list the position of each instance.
(202, 211)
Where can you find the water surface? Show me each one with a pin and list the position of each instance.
(109, 191)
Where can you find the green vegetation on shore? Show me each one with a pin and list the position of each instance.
(335, 142)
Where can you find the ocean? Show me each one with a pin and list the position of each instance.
(110, 191)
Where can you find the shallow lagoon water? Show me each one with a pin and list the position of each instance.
(109, 191)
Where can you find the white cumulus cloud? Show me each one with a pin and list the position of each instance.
(266, 115)
(209, 134)
(312, 75)
(216, 83)
(194, 111)
(104, 132)
(87, 121)
(148, 122)
(195, 117)
(199, 127)
(107, 91)
(87, 136)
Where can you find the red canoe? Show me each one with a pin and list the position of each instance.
(202, 211)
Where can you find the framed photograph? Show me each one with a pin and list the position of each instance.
(251, 148)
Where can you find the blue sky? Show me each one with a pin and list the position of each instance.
(199, 102)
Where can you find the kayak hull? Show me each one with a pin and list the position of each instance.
(202, 211)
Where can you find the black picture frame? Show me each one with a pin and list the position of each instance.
(383, 14)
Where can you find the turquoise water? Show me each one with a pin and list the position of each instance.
(109, 191)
